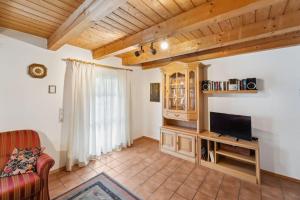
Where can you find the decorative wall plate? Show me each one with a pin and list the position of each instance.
(37, 70)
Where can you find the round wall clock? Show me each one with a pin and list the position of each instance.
(37, 70)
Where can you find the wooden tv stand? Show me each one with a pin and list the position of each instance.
(242, 166)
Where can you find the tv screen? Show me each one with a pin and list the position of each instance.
(237, 126)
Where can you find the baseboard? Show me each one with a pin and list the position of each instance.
(58, 170)
(145, 137)
(279, 176)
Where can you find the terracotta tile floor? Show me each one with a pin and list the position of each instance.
(154, 175)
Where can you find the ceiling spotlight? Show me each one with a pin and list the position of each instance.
(164, 45)
(138, 53)
(152, 49)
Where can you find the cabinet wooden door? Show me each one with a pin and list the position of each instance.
(186, 145)
(168, 140)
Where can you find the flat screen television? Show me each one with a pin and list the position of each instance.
(236, 126)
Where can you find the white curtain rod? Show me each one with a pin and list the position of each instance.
(96, 64)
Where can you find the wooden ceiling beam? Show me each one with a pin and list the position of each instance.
(82, 18)
(280, 41)
(268, 28)
(204, 14)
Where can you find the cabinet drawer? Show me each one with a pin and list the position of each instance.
(180, 116)
(174, 115)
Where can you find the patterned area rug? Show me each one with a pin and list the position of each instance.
(100, 187)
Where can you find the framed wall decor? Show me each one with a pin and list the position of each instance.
(52, 89)
(154, 92)
(37, 70)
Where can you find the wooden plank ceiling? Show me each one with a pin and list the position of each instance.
(36, 17)
(134, 16)
(126, 19)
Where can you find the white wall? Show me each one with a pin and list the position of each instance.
(275, 110)
(24, 101)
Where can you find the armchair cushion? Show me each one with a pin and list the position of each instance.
(21, 161)
(20, 186)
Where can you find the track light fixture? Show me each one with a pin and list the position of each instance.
(164, 45)
(152, 49)
(138, 53)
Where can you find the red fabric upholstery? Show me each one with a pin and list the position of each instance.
(21, 186)
(27, 185)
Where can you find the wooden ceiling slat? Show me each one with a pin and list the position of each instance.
(181, 38)
(236, 21)
(278, 8)
(28, 19)
(103, 34)
(171, 6)
(32, 16)
(198, 2)
(185, 4)
(110, 28)
(124, 22)
(102, 38)
(215, 28)
(25, 21)
(72, 3)
(189, 36)
(146, 10)
(30, 10)
(101, 29)
(122, 13)
(205, 30)
(225, 25)
(249, 18)
(158, 8)
(41, 9)
(52, 7)
(23, 28)
(293, 5)
(137, 14)
(118, 25)
(262, 14)
(62, 5)
(197, 33)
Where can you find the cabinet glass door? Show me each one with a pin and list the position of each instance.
(172, 92)
(177, 91)
(180, 91)
(165, 91)
(192, 91)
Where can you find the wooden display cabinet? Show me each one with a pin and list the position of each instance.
(182, 102)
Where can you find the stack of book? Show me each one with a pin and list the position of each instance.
(231, 84)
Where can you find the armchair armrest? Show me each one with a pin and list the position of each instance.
(44, 164)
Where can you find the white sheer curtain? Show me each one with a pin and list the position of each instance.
(96, 111)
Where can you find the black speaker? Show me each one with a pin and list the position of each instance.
(251, 84)
(205, 85)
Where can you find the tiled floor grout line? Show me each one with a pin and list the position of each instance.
(184, 182)
(239, 190)
(164, 180)
(201, 183)
(219, 187)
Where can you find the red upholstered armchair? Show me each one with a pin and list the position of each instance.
(25, 186)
